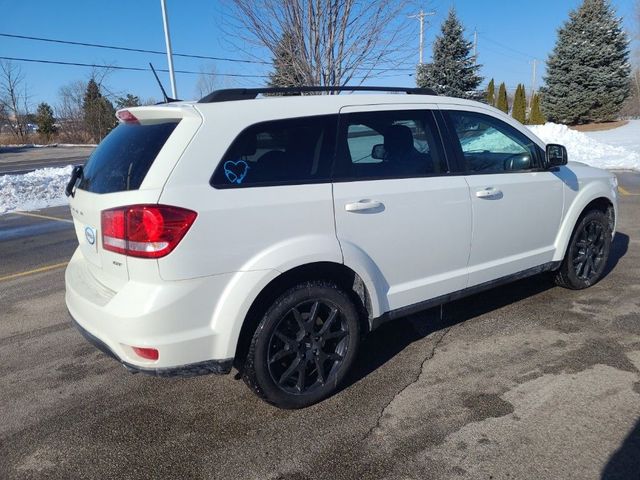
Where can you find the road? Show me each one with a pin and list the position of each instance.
(19, 160)
(528, 381)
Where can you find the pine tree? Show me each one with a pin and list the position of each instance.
(535, 115)
(588, 71)
(285, 67)
(503, 101)
(453, 71)
(491, 93)
(45, 121)
(99, 114)
(129, 100)
(520, 104)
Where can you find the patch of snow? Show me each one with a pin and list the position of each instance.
(38, 189)
(591, 148)
(492, 141)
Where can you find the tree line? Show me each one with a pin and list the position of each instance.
(84, 114)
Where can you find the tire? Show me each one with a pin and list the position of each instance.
(586, 257)
(295, 361)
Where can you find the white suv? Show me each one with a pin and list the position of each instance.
(271, 233)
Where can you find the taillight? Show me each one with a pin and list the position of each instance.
(147, 231)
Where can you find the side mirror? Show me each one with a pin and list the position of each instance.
(556, 155)
(378, 152)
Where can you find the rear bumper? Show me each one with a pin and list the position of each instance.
(220, 367)
(174, 318)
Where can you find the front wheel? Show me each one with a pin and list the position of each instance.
(304, 346)
(587, 254)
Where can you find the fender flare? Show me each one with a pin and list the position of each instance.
(591, 192)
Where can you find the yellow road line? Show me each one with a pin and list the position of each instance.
(45, 217)
(624, 191)
(35, 270)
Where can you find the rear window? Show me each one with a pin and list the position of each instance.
(124, 157)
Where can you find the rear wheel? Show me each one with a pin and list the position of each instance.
(304, 345)
(587, 253)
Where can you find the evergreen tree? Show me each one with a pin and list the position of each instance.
(503, 101)
(588, 71)
(128, 100)
(45, 121)
(535, 115)
(491, 93)
(520, 105)
(453, 71)
(99, 114)
(286, 71)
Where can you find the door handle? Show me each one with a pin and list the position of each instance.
(489, 192)
(364, 205)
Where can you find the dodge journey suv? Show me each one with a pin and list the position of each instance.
(270, 233)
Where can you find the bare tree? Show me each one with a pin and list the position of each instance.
(207, 81)
(334, 42)
(70, 113)
(14, 99)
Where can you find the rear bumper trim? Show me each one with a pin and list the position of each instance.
(218, 367)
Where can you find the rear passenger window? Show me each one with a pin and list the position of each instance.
(395, 144)
(280, 152)
(491, 146)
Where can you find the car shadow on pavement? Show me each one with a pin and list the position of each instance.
(624, 464)
(619, 247)
(386, 342)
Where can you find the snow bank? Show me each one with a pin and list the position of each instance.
(38, 189)
(583, 148)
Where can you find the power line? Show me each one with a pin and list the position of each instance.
(128, 49)
(158, 52)
(144, 69)
(506, 47)
(135, 69)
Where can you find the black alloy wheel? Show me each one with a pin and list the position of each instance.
(308, 346)
(589, 252)
(586, 257)
(304, 345)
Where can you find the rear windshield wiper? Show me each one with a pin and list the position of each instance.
(76, 174)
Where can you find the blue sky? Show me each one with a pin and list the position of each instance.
(510, 35)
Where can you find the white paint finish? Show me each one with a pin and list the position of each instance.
(256, 228)
(515, 230)
(419, 242)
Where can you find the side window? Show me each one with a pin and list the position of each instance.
(396, 144)
(298, 150)
(491, 146)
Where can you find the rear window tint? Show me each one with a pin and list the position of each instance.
(124, 157)
(280, 152)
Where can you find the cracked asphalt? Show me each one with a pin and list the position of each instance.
(527, 381)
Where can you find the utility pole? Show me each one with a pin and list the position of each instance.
(421, 16)
(167, 39)
(534, 64)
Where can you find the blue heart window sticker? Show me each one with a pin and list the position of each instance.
(236, 171)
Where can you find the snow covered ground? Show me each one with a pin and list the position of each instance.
(30, 191)
(617, 149)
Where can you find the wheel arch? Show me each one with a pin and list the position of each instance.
(596, 200)
(338, 273)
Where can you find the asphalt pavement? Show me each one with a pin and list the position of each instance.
(527, 381)
(19, 160)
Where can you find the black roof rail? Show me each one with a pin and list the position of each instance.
(229, 94)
